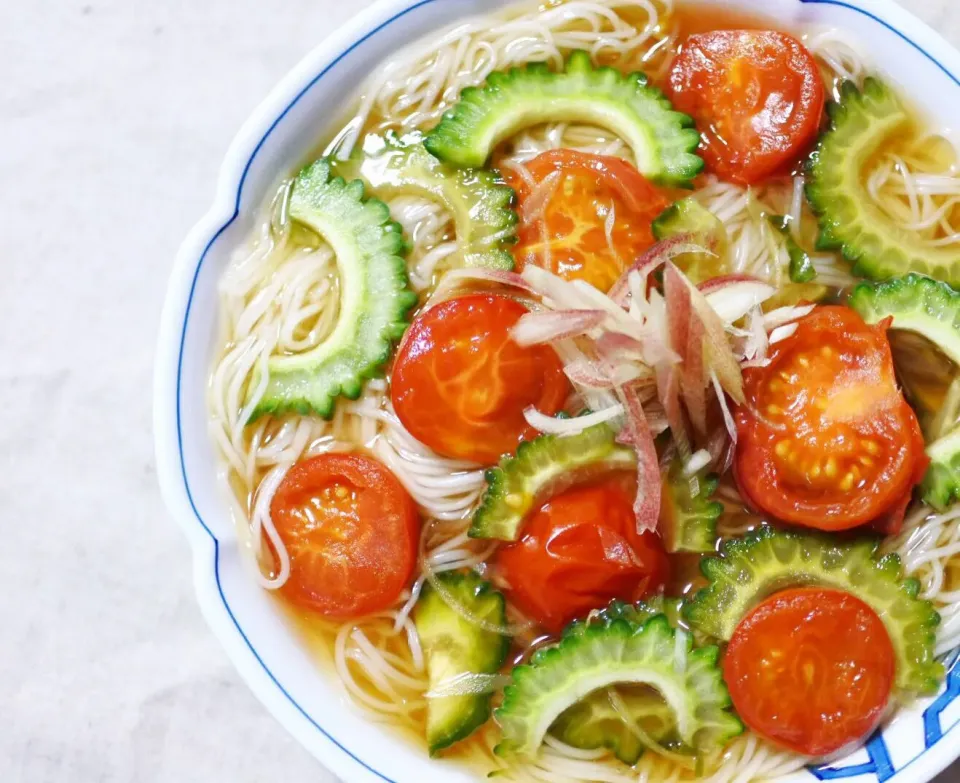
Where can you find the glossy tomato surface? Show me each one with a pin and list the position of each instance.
(757, 98)
(825, 439)
(810, 669)
(579, 551)
(583, 216)
(460, 384)
(351, 531)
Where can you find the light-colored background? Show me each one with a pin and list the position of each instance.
(114, 116)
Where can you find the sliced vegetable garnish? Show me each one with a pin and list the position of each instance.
(801, 269)
(460, 384)
(810, 669)
(485, 221)
(351, 531)
(918, 304)
(375, 297)
(766, 561)
(626, 719)
(688, 217)
(638, 434)
(662, 139)
(594, 655)
(578, 551)
(593, 220)
(850, 219)
(454, 648)
(941, 484)
(542, 467)
(757, 97)
(825, 438)
(688, 521)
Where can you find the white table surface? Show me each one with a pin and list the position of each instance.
(114, 116)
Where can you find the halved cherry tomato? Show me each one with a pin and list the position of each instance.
(579, 551)
(756, 95)
(825, 439)
(810, 669)
(460, 384)
(351, 531)
(593, 194)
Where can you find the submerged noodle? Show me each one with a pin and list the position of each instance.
(279, 296)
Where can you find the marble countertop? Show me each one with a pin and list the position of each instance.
(114, 117)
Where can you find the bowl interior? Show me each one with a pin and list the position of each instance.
(274, 142)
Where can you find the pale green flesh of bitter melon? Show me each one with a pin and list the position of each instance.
(765, 561)
(596, 722)
(592, 656)
(663, 141)
(862, 123)
(941, 484)
(541, 467)
(688, 522)
(454, 647)
(480, 203)
(375, 297)
(932, 309)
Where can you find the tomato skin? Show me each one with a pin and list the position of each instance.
(810, 669)
(579, 551)
(351, 531)
(756, 95)
(460, 384)
(826, 440)
(589, 188)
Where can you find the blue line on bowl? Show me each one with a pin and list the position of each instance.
(893, 30)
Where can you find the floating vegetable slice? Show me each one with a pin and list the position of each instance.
(663, 140)
(737, 85)
(941, 484)
(801, 269)
(594, 655)
(567, 198)
(460, 384)
(811, 669)
(688, 522)
(597, 721)
(480, 203)
(375, 297)
(827, 440)
(916, 303)
(767, 560)
(580, 550)
(688, 216)
(454, 649)
(850, 220)
(932, 309)
(542, 466)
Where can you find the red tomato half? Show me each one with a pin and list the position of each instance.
(593, 193)
(826, 440)
(757, 97)
(460, 384)
(810, 669)
(581, 550)
(351, 531)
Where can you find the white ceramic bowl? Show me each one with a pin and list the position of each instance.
(272, 142)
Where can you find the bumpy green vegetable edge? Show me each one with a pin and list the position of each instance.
(369, 247)
(751, 568)
(919, 304)
(605, 651)
(663, 140)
